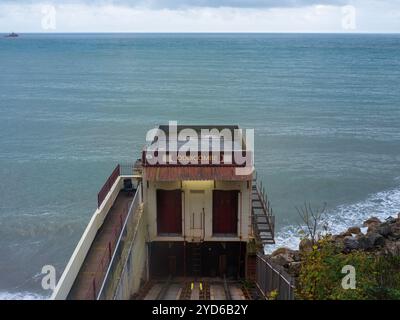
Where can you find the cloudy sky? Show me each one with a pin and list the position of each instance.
(200, 15)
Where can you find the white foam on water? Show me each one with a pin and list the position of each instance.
(4, 295)
(381, 205)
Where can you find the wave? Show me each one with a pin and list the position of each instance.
(381, 205)
(4, 295)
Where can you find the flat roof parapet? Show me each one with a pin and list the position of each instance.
(194, 145)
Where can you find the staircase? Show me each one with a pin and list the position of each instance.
(263, 219)
(196, 259)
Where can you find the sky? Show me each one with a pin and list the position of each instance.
(364, 16)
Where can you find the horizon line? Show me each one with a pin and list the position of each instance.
(201, 32)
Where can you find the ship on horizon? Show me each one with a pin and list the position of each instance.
(12, 35)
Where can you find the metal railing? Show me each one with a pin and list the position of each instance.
(124, 233)
(114, 237)
(108, 185)
(126, 169)
(124, 275)
(266, 205)
(273, 278)
(106, 259)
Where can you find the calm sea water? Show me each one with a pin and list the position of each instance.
(325, 109)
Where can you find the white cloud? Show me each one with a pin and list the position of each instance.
(74, 17)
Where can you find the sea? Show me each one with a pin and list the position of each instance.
(325, 109)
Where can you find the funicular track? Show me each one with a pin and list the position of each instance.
(193, 289)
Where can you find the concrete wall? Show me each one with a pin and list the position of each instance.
(71, 271)
(135, 269)
(244, 207)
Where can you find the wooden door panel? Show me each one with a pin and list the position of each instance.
(225, 211)
(169, 211)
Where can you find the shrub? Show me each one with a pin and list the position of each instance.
(377, 277)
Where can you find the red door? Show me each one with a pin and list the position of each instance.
(225, 211)
(169, 211)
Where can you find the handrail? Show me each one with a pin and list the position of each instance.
(269, 215)
(128, 254)
(126, 169)
(271, 277)
(77, 260)
(132, 209)
(279, 272)
(108, 185)
(97, 283)
(104, 262)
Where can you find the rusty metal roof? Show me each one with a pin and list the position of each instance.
(194, 173)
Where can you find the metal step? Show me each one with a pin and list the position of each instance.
(259, 213)
(268, 242)
(261, 218)
(266, 236)
(196, 260)
(265, 230)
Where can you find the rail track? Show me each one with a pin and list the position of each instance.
(193, 289)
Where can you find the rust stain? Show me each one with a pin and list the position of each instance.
(194, 173)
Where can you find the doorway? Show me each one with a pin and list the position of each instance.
(225, 212)
(196, 214)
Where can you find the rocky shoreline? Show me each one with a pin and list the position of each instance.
(376, 236)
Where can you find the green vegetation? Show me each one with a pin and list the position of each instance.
(377, 276)
(248, 284)
(273, 295)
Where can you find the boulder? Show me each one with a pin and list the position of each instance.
(371, 220)
(345, 234)
(294, 268)
(350, 243)
(384, 229)
(392, 248)
(371, 240)
(280, 251)
(305, 245)
(354, 230)
(282, 260)
(283, 256)
(338, 238)
(390, 219)
(395, 231)
(372, 223)
(365, 243)
(296, 256)
(376, 239)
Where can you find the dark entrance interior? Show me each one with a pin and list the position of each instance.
(206, 259)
